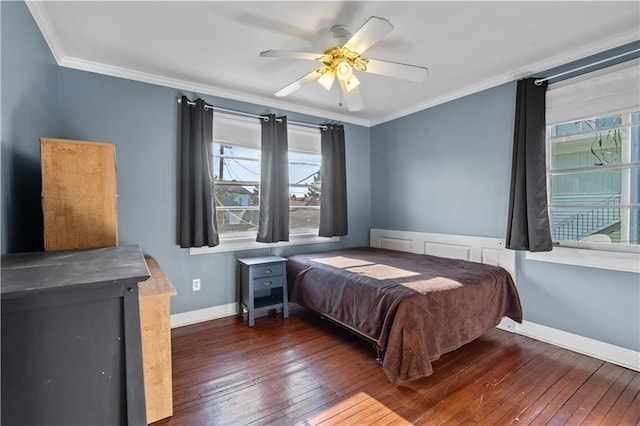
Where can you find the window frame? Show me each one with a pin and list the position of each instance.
(238, 128)
(610, 256)
(246, 243)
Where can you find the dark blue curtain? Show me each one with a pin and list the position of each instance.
(273, 224)
(333, 183)
(528, 223)
(197, 210)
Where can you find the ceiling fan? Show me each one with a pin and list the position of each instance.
(343, 60)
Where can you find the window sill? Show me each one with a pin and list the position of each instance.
(250, 243)
(590, 258)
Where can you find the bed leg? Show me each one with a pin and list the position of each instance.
(379, 354)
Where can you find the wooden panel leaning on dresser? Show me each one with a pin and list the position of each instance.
(156, 342)
(79, 194)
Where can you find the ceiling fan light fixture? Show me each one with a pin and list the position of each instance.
(344, 70)
(343, 60)
(326, 79)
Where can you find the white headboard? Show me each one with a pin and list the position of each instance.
(491, 251)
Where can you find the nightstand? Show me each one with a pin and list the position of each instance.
(262, 284)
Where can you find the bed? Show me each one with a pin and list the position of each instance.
(413, 305)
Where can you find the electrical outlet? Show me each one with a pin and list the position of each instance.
(196, 284)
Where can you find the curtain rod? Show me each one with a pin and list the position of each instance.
(538, 82)
(260, 117)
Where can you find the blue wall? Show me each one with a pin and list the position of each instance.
(447, 170)
(597, 303)
(142, 121)
(29, 110)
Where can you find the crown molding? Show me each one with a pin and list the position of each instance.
(547, 64)
(203, 89)
(40, 16)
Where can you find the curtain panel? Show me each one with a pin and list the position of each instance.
(273, 222)
(333, 183)
(528, 223)
(197, 210)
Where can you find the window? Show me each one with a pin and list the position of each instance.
(236, 167)
(593, 169)
(593, 178)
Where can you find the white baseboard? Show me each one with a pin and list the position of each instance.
(201, 315)
(573, 342)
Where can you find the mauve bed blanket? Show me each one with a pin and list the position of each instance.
(416, 307)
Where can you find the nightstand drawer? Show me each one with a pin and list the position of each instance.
(272, 269)
(267, 283)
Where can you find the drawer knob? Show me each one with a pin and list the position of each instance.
(267, 283)
(268, 271)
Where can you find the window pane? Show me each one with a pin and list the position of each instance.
(304, 207)
(616, 225)
(304, 196)
(593, 124)
(595, 148)
(303, 218)
(596, 187)
(304, 168)
(236, 195)
(236, 163)
(237, 205)
(237, 220)
(304, 191)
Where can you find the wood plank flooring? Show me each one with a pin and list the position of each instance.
(306, 371)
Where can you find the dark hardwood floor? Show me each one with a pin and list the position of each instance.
(307, 371)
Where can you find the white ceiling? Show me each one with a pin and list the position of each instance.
(213, 47)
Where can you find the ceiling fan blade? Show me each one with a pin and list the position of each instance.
(290, 88)
(352, 97)
(290, 54)
(372, 31)
(397, 70)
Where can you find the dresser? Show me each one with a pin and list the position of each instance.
(262, 283)
(155, 294)
(71, 345)
(80, 211)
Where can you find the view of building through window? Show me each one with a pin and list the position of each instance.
(237, 175)
(594, 179)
